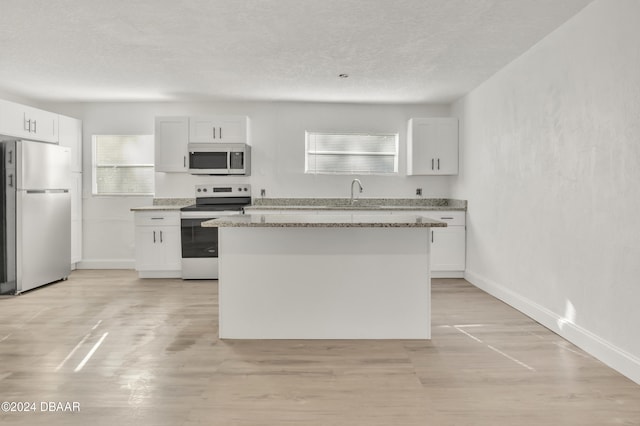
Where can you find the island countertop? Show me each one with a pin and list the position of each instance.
(373, 204)
(324, 221)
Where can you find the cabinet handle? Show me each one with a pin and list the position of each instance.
(214, 132)
(27, 125)
(446, 218)
(160, 236)
(432, 164)
(34, 126)
(438, 164)
(154, 237)
(220, 132)
(184, 161)
(157, 218)
(431, 236)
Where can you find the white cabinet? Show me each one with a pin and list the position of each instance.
(171, 138)
(448, 249)
(221, 128)
(432, 146)
(70, 135)
(76, 218)
(25, 122)
(448, 245)
(157, 239)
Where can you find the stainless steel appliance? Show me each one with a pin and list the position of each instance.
(219, 159)
(200, 245)
(35, 232)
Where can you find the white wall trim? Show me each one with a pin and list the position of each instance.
(106, 264)
(616, 358)
(447, 274)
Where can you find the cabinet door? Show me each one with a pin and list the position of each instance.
(223, 129)
(203, 129)
(70, 135)
(158, 248)
(149, 251)
(232, 129)
(432, 146)
(172, 251)
(448, 248)
(26, 122)
(13, 120)
(44, 125)
(171, 138)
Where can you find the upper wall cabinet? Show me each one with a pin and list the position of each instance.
(171, 138)
(70, 135)
(26, 122)
(220, 128)
(432, 146)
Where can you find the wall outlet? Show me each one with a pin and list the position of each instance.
(419, 192)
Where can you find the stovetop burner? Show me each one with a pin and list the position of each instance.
(217, 198)
(214, 208)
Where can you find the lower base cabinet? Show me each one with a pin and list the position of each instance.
(448, 251)
(157, 239)
(448, 245)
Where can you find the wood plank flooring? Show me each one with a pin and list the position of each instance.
(160, 362)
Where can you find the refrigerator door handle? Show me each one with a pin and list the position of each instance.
(47, 191)
(10, 180)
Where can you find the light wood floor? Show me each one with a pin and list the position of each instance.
(161, 363)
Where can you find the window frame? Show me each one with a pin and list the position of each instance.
(394, 154)
(95, 166)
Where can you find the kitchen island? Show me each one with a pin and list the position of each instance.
(344, 276)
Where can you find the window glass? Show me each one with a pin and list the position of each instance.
(123, 165)
(330, 153)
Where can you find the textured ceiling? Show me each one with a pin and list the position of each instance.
(392, 50)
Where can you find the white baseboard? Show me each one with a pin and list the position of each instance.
(106, 264)
(447, 274)
(616, 358)
(160, 274)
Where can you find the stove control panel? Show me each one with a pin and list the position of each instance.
(223, 190)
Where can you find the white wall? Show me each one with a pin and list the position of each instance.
(277, 159)
(550, 165)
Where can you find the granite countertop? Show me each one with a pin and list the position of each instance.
(373, 204)
(156, 208)
(324, 221)
(164, 204)
(360, 204)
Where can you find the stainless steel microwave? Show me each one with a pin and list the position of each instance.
(219, 159)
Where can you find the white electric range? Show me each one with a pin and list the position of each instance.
(200, 245)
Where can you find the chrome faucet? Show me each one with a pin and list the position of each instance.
(359, 184)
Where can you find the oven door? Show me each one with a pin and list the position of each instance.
(198, 242)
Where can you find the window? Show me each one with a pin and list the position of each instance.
(123, 165)
(351, 154)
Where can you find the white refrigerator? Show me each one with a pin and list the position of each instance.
(36, 228)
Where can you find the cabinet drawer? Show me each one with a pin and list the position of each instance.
(451, 218)
(157, 218)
